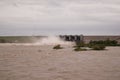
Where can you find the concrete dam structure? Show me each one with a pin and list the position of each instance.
(73, 38)
(87, 39)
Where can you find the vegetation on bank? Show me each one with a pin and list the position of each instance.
(95, 45)
(15, 39)
(79, 49)
(107, 42)
(98, 47)
(79, 46)
(57, 47)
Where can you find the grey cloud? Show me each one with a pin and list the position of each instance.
(64, 16)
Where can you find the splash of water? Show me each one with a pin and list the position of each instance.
(52, 40)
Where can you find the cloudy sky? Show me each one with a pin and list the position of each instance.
(53, 17)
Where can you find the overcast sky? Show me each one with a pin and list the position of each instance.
(54, 17)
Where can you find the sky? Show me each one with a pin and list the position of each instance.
(55, 17)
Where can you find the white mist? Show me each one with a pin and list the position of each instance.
(52, 40)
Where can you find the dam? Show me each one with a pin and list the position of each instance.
(87, 39)
(73, 38)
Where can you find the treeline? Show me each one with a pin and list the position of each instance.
(107, 42)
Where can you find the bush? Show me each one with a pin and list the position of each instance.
(57, 47)
(107, 42)
(79, 49)
(98, 47)
(3, 41)
(80, 44)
